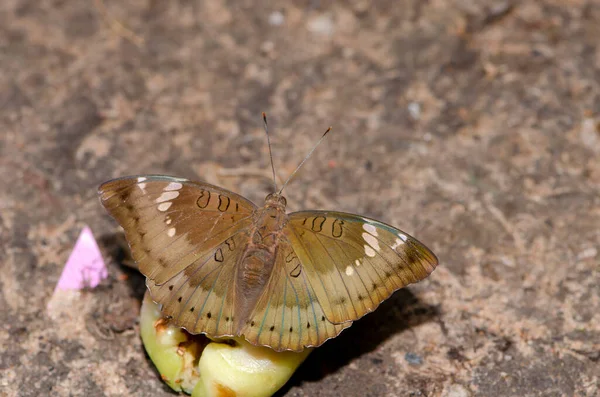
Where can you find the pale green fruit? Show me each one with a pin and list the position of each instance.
(173, 351)
(194, 364)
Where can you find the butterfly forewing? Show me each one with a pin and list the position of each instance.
(288, 315)
(354, 263)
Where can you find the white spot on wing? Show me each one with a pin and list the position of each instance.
(349, 270)
(167, 196)
(142, 187)
(397, 243)
(173, 186)
(357, 262)
(168, 220)
(370, 229)
(369, 251)
(372, 241)
(403, 237)
(162, 207)
(141, 179)
(171, 232)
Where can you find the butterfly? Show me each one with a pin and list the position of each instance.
(221, 266)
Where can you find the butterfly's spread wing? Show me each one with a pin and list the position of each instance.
(288, 315)
(354, 263)
(186, 238)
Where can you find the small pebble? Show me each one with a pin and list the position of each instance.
(413, 359)
(456, 390)
(587, 253)
(322, 24)
(589, 134)
(415, 110)
(276, 18)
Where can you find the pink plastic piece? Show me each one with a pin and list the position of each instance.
(85, 267)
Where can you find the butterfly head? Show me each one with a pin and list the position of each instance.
(275, 200)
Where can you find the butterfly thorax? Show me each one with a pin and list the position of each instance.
(269, 221)
(257, 261)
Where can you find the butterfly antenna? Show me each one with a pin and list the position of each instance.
(270, 151)
(304, 161)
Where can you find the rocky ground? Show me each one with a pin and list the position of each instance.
(474, 126)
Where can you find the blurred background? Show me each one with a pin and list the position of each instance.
(474, 126)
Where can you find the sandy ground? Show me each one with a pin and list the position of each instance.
(474, 126)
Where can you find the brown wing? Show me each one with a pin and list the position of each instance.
(186, 238)
(354, 263)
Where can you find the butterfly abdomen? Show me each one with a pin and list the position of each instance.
(255, 270)
(256, 266)
(252, 278)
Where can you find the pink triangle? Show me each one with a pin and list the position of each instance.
(85, 266)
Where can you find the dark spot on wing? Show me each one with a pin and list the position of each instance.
(219, 255)
(317, 223)
(224, 202)
(203, 199)
(336, 228)
(296, 271)
(411, 254)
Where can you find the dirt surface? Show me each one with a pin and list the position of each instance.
(474, 126)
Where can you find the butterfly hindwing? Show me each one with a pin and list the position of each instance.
(200, 298)
(353, 263)
(288, 316)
